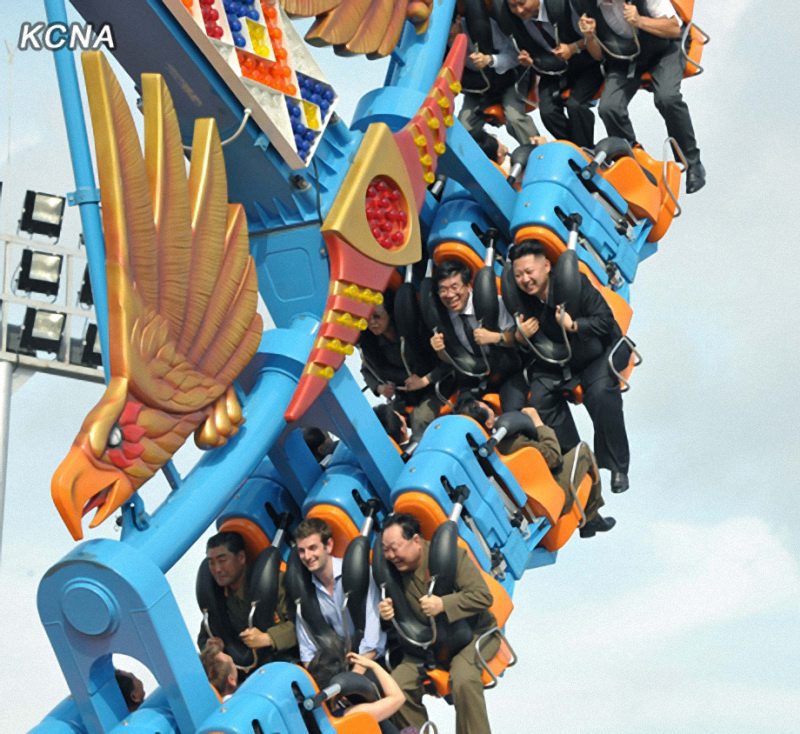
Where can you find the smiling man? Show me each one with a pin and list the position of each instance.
(227, 563)
(454, 290)
(314, 542)
(407, 550)
(591, 334)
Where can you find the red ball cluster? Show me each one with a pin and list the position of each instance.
(210, 18)
(387, 212)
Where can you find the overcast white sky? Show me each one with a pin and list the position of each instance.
(686, 617)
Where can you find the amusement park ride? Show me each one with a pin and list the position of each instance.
(285, 200)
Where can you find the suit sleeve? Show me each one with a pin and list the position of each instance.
(472, 595)
(594, 315)
(283, 633)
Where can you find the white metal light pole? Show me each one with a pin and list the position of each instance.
(6, 373)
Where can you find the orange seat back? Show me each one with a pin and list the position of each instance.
(255, 539)
(340, 523)
(545, 497)
(426, 509)
(632, 184)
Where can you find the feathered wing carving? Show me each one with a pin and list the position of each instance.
(182, 300)
(371, 27)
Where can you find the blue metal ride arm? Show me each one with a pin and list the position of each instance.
(86, 195)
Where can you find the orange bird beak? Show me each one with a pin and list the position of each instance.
(80, 485)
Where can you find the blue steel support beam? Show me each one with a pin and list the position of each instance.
(86, 194)
(212, 483)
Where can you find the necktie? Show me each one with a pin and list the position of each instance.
(473, 345)
(543, 29)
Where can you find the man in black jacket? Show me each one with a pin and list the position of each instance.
(592, 334)
(631, 39)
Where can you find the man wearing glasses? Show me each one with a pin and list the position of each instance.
(407, 551)
(492, 349)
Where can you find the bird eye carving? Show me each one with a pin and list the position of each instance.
(115, 437)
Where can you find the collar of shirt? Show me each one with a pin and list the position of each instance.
(337, 576)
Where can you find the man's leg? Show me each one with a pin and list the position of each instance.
(470, 116)
(408, 677)
(603, 400)
(551, 108)
(613, 109)
(423, 415)
(584, 84)
(553, 409)
(467, 687)
(519, 123)
(667, 75)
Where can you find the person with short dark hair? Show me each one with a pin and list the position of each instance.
(385, 371)
(591, 334)
(227, 562)
(404, 547)
(314, 542)
(393, 422)
(319, 442)
(131, 687)
(544, 440)
(328, 663)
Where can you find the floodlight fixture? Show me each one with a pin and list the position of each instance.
(40, 272)
(42, 330)
(92, 355)
(42, 214)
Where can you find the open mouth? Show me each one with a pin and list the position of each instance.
(96, 500)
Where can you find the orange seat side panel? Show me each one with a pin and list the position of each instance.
(255, 539)
(684, 9)
(358, 722)
(342, 527)
(492, 399)
(424, 508)
(695, 52)
(545, 497)
(566, 525)
(667, 206)
(627, 177)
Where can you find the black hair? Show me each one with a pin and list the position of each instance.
(407, 523)
(328, 662)
(231, 540)
(526, 247)
(448, 268)
(473, 409)
(490, 146)
(390, 421)
(125, 683)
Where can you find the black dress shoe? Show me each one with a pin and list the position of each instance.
(619, 482)
(695, 177)
(596, 525)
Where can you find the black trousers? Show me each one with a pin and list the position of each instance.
(572, 119)
(603, 400)
(667, 73)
